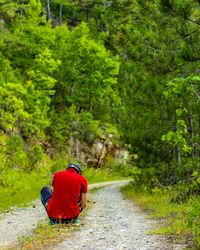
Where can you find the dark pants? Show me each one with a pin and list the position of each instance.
(45, 195)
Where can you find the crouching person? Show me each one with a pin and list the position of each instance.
(68, 198)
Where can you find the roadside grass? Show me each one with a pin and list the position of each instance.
(21, 188)
(46, 236)
(94, 190)
(101, 175)
(174, 220)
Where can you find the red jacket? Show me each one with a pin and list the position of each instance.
(67, 187)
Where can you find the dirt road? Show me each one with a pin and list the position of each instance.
(22, 221)
(115, 223)
(112, 223)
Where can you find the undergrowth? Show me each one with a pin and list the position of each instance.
(43, 237)
(21, 187)
(100, 175)
(179, 220)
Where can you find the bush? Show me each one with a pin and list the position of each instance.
(17, 157)
(120, 168)
(98, 175)
(194, 218)
(59, 164)
(20, 188)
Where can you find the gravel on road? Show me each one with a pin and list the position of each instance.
(22, 221)
(115, 223)
(112, 223)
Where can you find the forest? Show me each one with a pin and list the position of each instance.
(78, 68)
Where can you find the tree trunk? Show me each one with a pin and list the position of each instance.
(190, 132)
(48, 10)
(60, 14)
(177, 150)
(177, 154)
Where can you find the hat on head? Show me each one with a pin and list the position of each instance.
(76, 167)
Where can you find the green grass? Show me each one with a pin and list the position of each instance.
(21, 188)
(175, 220)
(100, 175)
(43, 237)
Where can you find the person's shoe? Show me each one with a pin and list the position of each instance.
(76, 222)
(52, 223)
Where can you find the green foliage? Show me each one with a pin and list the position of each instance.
(86, 127)
(36, 155)
(44, 236)
(39, 89)
(182, 94)
(121, 169)
(19, 188)
(177, 138)
(55, 83)
(12, 106)
(101, 175)
(88, 72)
(194, 219)
(59, 164)
(16, 155)
(125, 68)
